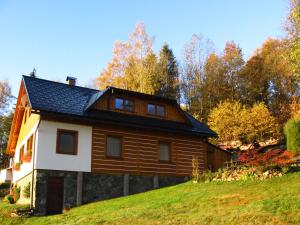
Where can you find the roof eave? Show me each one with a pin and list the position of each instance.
(26, 90)
(80, 117)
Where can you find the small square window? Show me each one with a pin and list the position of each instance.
(67, 142)
(157, 110)
(164, 151)
(124, 104)
(151, 109)
(113, 146)
(119, 103)
(160, 110)
(128, 105)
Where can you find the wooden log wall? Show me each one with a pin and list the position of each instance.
(140, 152)
(140, 107)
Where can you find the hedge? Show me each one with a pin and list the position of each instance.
(292, 133)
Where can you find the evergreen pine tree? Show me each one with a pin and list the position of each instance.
(167, 74)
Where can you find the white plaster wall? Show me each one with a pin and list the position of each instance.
(25, 169)
(2, 176)
(46, 156)
(5, 175)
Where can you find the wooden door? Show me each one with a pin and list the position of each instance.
(55, 190)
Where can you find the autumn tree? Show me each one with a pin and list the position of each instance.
(225, 119)
(283, 87)
(127, 68)
(214, 88)
(295, 109)
(267, 77)
(195, 55)
(209, 78)
(259, 124)
(5, 124)
(293, 32)
(233, 61)
(5, 120)
(234, 121)
(135, 67)
(254, 85)
(221, 77)
(5, 95)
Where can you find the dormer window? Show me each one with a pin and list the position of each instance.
(156, 110)
(124, 104)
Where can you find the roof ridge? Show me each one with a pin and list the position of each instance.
(142, 93)
(109, 87)
(57, 82)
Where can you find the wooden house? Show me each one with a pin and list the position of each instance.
(74, 145)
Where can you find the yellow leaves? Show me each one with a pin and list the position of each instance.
(263, 124)
(233, 121)
(295, 109)
(225, 119)
(127, 68)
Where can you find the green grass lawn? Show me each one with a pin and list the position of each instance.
(273, 201)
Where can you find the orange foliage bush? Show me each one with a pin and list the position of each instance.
(283, 158)
(275, 156)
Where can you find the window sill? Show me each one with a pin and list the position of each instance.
(114, 157)
(165, 162)
(124, 110)
(156, 116)
(60, 153)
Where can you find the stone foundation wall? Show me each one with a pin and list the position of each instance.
(138, 184)
(95, 187)
(101, 186)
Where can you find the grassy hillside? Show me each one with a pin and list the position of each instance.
(274, 201)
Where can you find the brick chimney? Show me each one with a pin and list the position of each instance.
(71, 80)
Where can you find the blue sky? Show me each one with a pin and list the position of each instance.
(60, 37)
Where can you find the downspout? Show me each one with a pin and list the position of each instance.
(33, 162)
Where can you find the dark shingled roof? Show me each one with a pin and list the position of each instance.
(50, 96)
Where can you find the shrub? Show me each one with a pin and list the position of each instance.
(284, 158)
(206, 176)
(245, 173)
(16, 193)
(274, 156)
(292, 133)
(9, 199)
(249, 175)
(4, 185)
(195, 169)
(26, 191)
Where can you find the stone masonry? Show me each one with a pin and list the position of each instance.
(95, 187)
